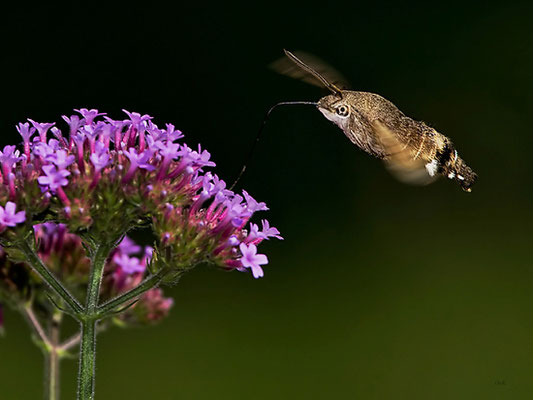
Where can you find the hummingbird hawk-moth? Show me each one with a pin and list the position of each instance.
(413, 151)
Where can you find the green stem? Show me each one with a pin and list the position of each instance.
(95, 280)
(37, 265)
(143, 287)
(87, 360)
(89, 319)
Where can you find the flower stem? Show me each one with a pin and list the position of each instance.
(154, 280)
(51, 377)
(37, 265)
(36, 325)
(89, 318)
(87, 360)
(50, 350)
(52, 383)
(95, 280)
(69, 343)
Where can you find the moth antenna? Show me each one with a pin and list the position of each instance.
(258, 137)
(329, 85)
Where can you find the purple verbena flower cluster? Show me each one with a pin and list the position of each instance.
(105, 176)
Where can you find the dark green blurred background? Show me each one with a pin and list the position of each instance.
(380, 290)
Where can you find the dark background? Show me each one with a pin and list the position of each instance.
(380, 290)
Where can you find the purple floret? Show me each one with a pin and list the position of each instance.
(89, 115)
(250, 259)
(8, 157)
(42, 128)
(61, 159)
(8, 216)
(129, 265)
(54, 178)
(270, 231)
(253, 205)
(100, 161)
(25, 131)
(128, 246)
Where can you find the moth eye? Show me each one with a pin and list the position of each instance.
(342, 110)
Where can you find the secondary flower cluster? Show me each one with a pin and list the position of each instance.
(64, 255)
(103, 177)
(127, 267)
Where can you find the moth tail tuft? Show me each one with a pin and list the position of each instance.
(463, 174)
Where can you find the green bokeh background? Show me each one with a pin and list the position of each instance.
(380, 290)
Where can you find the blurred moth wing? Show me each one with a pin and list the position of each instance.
(310, 69)
(400, 160)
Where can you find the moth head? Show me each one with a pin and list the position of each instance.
(335, 108)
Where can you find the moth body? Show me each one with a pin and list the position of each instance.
(379, 128)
